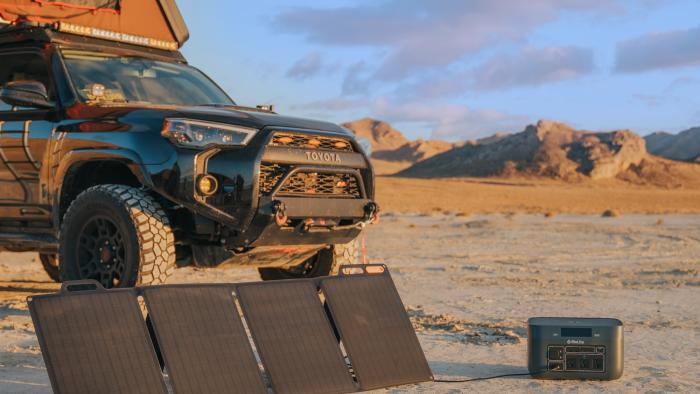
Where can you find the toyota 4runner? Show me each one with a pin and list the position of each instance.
(119, 162)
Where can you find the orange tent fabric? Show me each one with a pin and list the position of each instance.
(148, 18)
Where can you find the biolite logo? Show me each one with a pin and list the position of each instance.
(574, 342)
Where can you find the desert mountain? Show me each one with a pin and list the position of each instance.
(555, 150)
(391, 150)
(682, 146)
(489, 140)
(415, 151)
(391, 145)
(381, 134)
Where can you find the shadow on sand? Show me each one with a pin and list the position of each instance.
(452, 370)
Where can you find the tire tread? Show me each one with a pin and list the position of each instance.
(151, 224)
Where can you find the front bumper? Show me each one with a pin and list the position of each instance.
(246, 206)
(311, 221)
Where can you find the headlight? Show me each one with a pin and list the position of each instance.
(199, 134)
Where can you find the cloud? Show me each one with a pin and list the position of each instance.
(650, 100)
(334, 104)
(422, 34)
(442, 120)
(679, 48)
(356, 81)
(529, 67)
(437, 85)
(534, 66)
(672, 94)
(695, 118)
(450, 121)
(306, 67)
(680, 83)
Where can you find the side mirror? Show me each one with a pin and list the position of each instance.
(31, 94)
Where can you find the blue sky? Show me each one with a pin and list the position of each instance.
(458, 69)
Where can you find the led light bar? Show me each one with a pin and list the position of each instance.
(116, 36)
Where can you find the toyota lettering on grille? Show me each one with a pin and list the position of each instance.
(324, 157)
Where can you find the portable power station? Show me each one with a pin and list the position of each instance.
(575, 348)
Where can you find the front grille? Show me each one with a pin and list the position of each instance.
(331, 185)
(311, 142)
(270, 175)
(308, 183)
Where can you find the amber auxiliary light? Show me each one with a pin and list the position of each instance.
(207, 185)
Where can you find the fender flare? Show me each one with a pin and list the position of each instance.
(77, 158)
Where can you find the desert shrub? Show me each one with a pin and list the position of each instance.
(609, 213)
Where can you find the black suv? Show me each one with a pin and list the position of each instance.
(119, 162)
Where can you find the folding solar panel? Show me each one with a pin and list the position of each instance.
(202, 339)
(375, 330)
(95, 341)
(294, 337)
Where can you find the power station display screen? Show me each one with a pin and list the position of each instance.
(576, 332)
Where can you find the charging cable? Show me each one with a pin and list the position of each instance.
(481, 378)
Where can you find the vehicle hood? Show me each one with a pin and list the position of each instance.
(251, 117)
(152, 116)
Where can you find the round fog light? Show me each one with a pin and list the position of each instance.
(207, 185)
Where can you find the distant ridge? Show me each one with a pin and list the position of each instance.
(555, 150)
(391, 150)
(380, 134)
(682, 146)
(415, 151)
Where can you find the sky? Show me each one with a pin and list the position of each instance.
(457, 69)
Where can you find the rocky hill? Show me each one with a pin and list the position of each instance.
(391, 150)
(415, 151)
(381, 135)
(682, 146)
(555, 150)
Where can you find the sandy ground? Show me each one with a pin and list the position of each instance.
(471, 282)
(494, 195)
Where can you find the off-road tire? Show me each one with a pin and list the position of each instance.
(148, 240)
(325, 263)
(50, 264)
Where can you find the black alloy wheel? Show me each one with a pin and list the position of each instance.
(117, 235)
(101, 252)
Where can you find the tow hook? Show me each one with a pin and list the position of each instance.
(371, 213)
(305, 225)
(279, 210)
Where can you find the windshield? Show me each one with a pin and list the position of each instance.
(105, 79)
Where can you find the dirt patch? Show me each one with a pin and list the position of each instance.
(454, 329)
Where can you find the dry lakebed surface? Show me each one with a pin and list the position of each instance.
(470, 283)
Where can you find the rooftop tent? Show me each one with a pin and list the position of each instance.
(131, 21)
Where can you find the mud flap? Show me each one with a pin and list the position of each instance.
(96, 340)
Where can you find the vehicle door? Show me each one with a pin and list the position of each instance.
(24, 136)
